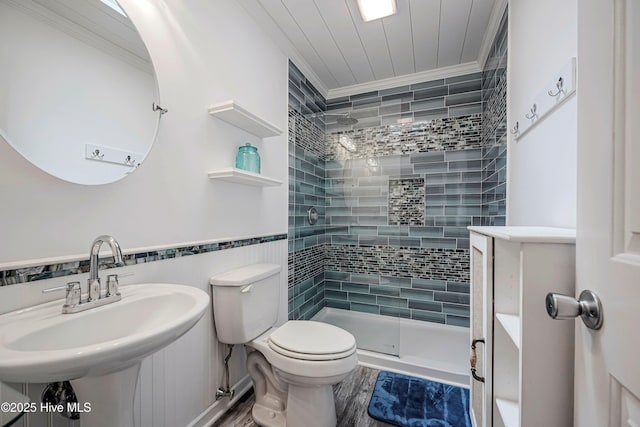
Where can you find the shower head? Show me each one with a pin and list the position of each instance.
(346, 120)
(342, 118)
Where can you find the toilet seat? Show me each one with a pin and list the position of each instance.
(310, 357)
(322, 359)
(310, 340)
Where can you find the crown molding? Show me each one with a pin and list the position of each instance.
(256, 11)
(499, 8)
(423, 76)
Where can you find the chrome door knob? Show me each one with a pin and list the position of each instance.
(588, 307)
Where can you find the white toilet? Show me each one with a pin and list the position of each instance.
(294, 366)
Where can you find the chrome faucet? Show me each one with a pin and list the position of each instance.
(94, 281)
(74, 302)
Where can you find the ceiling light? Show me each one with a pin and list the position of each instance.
(376, 9)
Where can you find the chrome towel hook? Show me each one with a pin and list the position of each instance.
(130, 161)
(516, 129)
(156, 107)
(533, 113)
(560, 86)
(96, 154)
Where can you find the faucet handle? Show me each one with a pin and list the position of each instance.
(112, 285)
(73, 294)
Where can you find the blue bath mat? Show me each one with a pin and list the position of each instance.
(414, 402)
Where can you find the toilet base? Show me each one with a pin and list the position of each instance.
(311, 403)
(303, 404)
(267, 417)
(286, 400)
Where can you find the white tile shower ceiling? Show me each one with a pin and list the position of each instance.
(343, 50)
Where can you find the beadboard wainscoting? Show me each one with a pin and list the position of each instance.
(177, 384)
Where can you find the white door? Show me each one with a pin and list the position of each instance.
(607, 371)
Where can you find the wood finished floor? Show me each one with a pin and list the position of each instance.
(351, 396)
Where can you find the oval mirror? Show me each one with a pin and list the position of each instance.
(77, 88)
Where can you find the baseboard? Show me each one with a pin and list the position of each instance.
(218, 409)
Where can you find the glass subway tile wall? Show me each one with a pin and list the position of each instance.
(306, 189)
(494, 131)
(395, 193)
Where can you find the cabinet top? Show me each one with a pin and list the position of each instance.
(529, 234)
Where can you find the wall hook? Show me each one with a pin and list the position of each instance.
(96, 154)
(156, 107)
(560, 86)
(516, 129)
(533, 113)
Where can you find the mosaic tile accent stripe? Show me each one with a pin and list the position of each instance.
(306, 263)
(437, 99)
(305, 135)
(49, 271)
(418, 263)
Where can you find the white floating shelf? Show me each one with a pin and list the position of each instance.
(509, 412)
(234, 114)
(511, 324)
(243, 177)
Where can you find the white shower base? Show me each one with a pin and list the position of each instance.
(428, 350)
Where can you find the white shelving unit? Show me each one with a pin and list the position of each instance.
(509, 412)
(511, 324)
(527, 359)
(232, 113)
(243, 177)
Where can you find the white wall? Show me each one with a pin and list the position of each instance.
(541, 182)
(204, 51)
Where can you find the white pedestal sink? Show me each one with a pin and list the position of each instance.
(99, 350)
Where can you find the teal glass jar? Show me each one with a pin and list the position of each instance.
(248, 158)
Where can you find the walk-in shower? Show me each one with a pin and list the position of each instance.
(388, 257)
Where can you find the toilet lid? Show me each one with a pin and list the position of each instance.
(316, 340)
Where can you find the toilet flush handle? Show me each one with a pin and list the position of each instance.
(246, 289)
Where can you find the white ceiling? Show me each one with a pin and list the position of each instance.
(347, 54)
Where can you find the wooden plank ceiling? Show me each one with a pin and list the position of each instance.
(343, 50)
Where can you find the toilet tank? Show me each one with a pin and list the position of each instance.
(245, 302)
